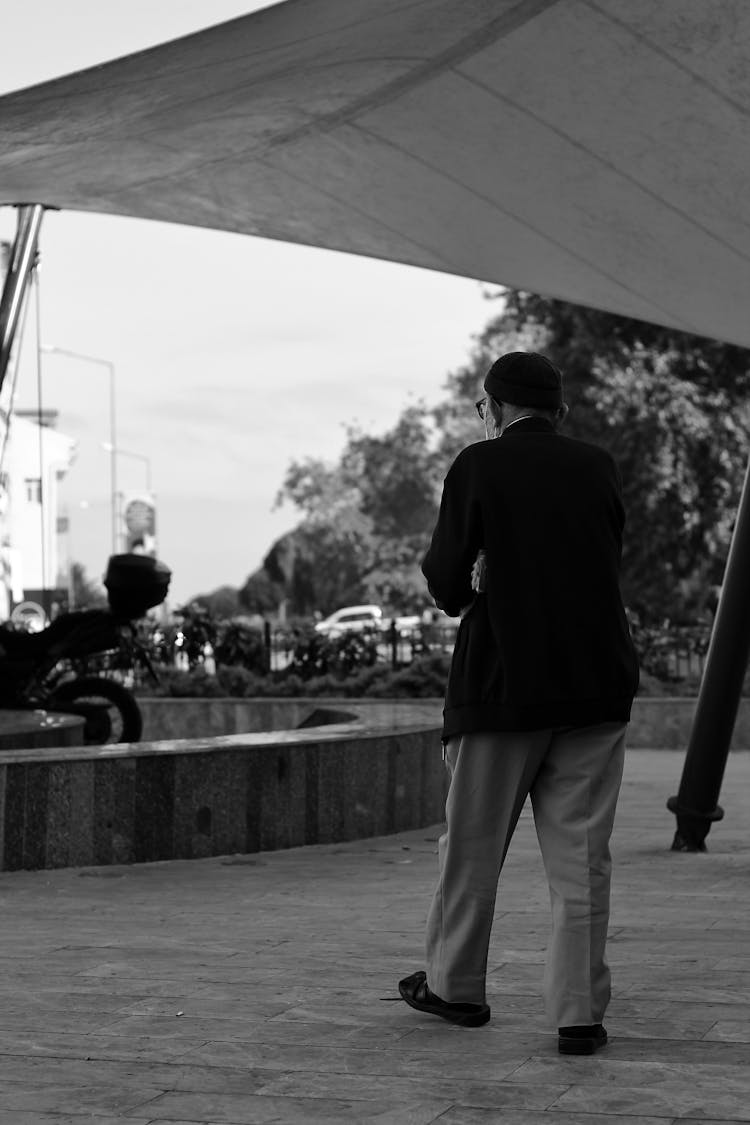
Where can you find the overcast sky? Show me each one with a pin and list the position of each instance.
(232, 354)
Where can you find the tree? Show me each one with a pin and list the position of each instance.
(366, 524)
(395, 475)
(259, 593)
(399, 474)
(86, 593)
(221, 603)
(317, 567)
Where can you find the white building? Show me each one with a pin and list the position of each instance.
(32, 559)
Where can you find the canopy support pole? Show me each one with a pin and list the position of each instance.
(22, 260)
(696, 804)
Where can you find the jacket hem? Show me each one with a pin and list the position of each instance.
(474, 717)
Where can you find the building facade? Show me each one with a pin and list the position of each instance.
(34, 561)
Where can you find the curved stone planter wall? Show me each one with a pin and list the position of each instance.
(167, 718)
(380, 771)
(665, 724)
(23, 729)
(350, 769)
(656, 723)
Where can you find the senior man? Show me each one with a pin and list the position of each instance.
(538, 699)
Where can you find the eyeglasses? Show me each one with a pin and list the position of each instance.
(482, 406)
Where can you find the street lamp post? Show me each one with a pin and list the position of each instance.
(112, 425)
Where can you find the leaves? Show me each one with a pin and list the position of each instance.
(366, 521)
(85, 593)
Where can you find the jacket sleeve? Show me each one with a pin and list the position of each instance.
(455, 542)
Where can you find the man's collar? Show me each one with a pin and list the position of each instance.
(530, 423)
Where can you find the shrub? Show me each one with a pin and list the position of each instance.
(314, 654)
(424, 678)
(239, 644)
(235, 680)
(665, 649)
(198, 629)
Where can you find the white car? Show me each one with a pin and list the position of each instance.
(357, 618)
(351, 619)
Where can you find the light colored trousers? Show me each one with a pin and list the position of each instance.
(573, 777)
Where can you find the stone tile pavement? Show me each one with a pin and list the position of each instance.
(259, 988)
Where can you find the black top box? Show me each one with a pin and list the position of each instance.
(135, 583)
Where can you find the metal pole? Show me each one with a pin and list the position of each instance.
(393, 638)
(695, 805)
(43, 489)
(22, 261)
(267, 645)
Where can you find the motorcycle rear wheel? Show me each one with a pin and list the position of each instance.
(111, 712)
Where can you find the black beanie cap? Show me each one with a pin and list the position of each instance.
(525, 379)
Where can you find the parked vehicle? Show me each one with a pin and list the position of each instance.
(351, 619)
(407, 624)
(358, 618)
(49, 669)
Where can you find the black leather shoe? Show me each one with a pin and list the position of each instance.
(417, 995)
(581, 1040)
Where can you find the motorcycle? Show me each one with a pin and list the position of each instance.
(49, 669)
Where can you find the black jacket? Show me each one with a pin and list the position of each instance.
(548, 644)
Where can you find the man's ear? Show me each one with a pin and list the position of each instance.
(493, 421)
(561, 413)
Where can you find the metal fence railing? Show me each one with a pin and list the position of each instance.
(268, 649)
(669, 653)
(397, 647)
(673, 653)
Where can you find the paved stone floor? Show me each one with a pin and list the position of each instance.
(258, 988)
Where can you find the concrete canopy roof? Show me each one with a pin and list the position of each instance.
(585, 149)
